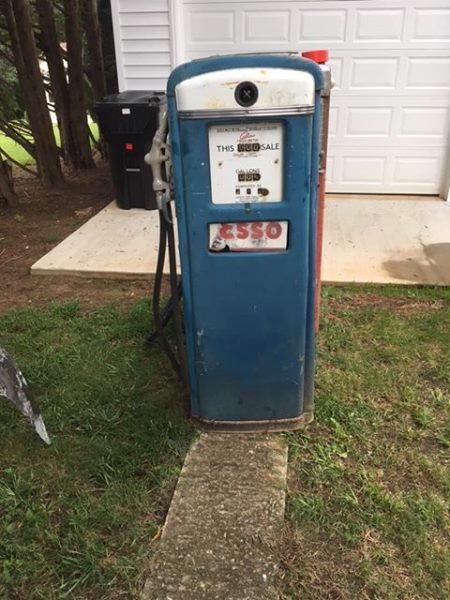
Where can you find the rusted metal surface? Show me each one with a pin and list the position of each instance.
(256, 426)
(321, 206)
(14, 387)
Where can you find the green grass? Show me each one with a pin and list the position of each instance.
(21, 156)
(15, 150)
(76, 519)
(369, 484)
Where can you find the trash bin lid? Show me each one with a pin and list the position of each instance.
(133, 112)
(132, 97)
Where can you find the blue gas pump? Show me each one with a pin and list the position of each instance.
(245, 148)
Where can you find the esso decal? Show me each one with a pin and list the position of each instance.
(255, 236)
(254, 231)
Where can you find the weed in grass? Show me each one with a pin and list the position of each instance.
(52, 238)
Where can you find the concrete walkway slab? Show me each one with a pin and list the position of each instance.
(367, 239)
(227, 508)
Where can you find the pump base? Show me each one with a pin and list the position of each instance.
(276, 425)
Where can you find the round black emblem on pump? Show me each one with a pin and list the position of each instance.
(246, 93)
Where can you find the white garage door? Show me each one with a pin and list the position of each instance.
(391, 63)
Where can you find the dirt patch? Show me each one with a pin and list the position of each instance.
(369, 301)
(41, 220)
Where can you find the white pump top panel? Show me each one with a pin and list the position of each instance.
(279, 91)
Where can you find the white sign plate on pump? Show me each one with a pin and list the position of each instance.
(246, 163)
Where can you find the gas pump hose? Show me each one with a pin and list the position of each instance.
(175, 296)
(156, 300)
(159, 154)
(166, 313)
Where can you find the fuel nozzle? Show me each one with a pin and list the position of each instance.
(159, 154)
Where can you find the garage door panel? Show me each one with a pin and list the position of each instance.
(368, 122)
(385, 170)
(363, 169)
(428, 72)
(431, 25)
(323, 26)
(415, 170)
(209, 29)
(424, 122)
(379, 25)
(262, 26)
(374, 73)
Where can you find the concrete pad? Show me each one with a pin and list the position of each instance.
(114, 244)
(227, 508)
(367, 239)
(387, 241)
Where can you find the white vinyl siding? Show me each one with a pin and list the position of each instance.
(142, 40)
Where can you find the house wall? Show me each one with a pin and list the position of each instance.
(142, 40)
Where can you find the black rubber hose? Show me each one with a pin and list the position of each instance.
(176, 305)
(166, 313)
(157, 296)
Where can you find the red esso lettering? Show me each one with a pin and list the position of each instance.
(273, 231)
(242, 231)
(257, 231)
(226, 231)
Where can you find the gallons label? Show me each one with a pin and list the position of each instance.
(257, 236)
(246, 163)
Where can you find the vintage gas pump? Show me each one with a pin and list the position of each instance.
(244, 134)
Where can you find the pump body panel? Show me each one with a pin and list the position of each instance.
(245, 135)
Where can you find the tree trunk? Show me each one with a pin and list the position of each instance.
(78, 111)
(20, 29)
(50, 46)
(96, 71)
(108, 49)
(10, 130)
(7, 192)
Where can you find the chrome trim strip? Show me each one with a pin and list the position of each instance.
(246, 112)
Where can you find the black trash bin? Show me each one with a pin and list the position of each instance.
(128, 122)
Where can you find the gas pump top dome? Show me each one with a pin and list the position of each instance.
(250, 83)
(248, 87)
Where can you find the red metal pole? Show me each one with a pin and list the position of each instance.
(321, 57)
